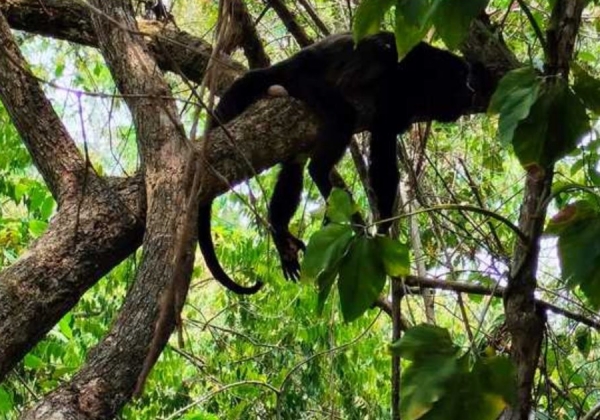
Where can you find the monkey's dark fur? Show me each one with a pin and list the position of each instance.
(348, 86)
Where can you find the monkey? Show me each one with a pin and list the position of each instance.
(210, 257)
(348, 86)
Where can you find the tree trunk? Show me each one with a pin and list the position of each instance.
(101, 221)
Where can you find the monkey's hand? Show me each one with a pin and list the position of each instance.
(288, 247)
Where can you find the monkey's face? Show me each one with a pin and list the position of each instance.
(440, 85)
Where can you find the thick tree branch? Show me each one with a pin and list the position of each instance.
(250, 40)
(47, 281)
(50, 278)
(51, 147)
(268, 133)
(106, 381)
(289, 20)
(70, 20)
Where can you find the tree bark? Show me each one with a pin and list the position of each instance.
(525, 319)
(94, 223)
(90, 236)
(106, 380)
(99, 221)
(70, 20)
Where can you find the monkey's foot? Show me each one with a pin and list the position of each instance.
(288, 247)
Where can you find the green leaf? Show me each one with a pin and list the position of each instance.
(579, 249)
(395, 256)
(340, 206)
(200, 416)
(556, 122)
(361, 278)
(59, 69)
(36, 198)
(424, 341)
(47, 208)
(64, 325)
(439, 385)
(6, 402)
(423, 384)
(587, 89)
(452, 19)
(513, 98)
(325, 248)
(369, 16)
(37, 227)
(497, 377)
(325, 281)
(21, 189)
(575, 212)
(411, 24)
(31, 361)
(583, 340)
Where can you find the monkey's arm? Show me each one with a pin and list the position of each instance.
(383, 171)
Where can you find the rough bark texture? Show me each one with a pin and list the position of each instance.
(46, 138)
(91, 233)
(106, 381)
(100, 222)
(288, 19)
(250, 40)
(524, 319)
(46, 282)
(70, 20)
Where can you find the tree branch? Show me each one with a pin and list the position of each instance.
(524, 318)
(106, 381)
(70, 20)
(51, 147)
(289, 131)
(498, 292)
(288, 19)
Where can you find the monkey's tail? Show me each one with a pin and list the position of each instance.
(207, 248)
(243, 92)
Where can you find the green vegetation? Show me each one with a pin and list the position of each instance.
(323, 348)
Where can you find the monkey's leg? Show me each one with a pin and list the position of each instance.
(383, 172)
(244, 92)
(283, 205)
(337, 121)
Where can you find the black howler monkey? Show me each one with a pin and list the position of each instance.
(348, 86)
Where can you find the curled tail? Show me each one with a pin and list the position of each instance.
(243, 92)
(210, 258)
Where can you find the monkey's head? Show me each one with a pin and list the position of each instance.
(440, 85)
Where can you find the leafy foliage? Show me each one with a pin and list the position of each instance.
(360, 263)
(577, 227)
(587, 89)
(439, 383)
(413, 19)
(516, 93)
(26, 203)
(542, 118)
(323, 368)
